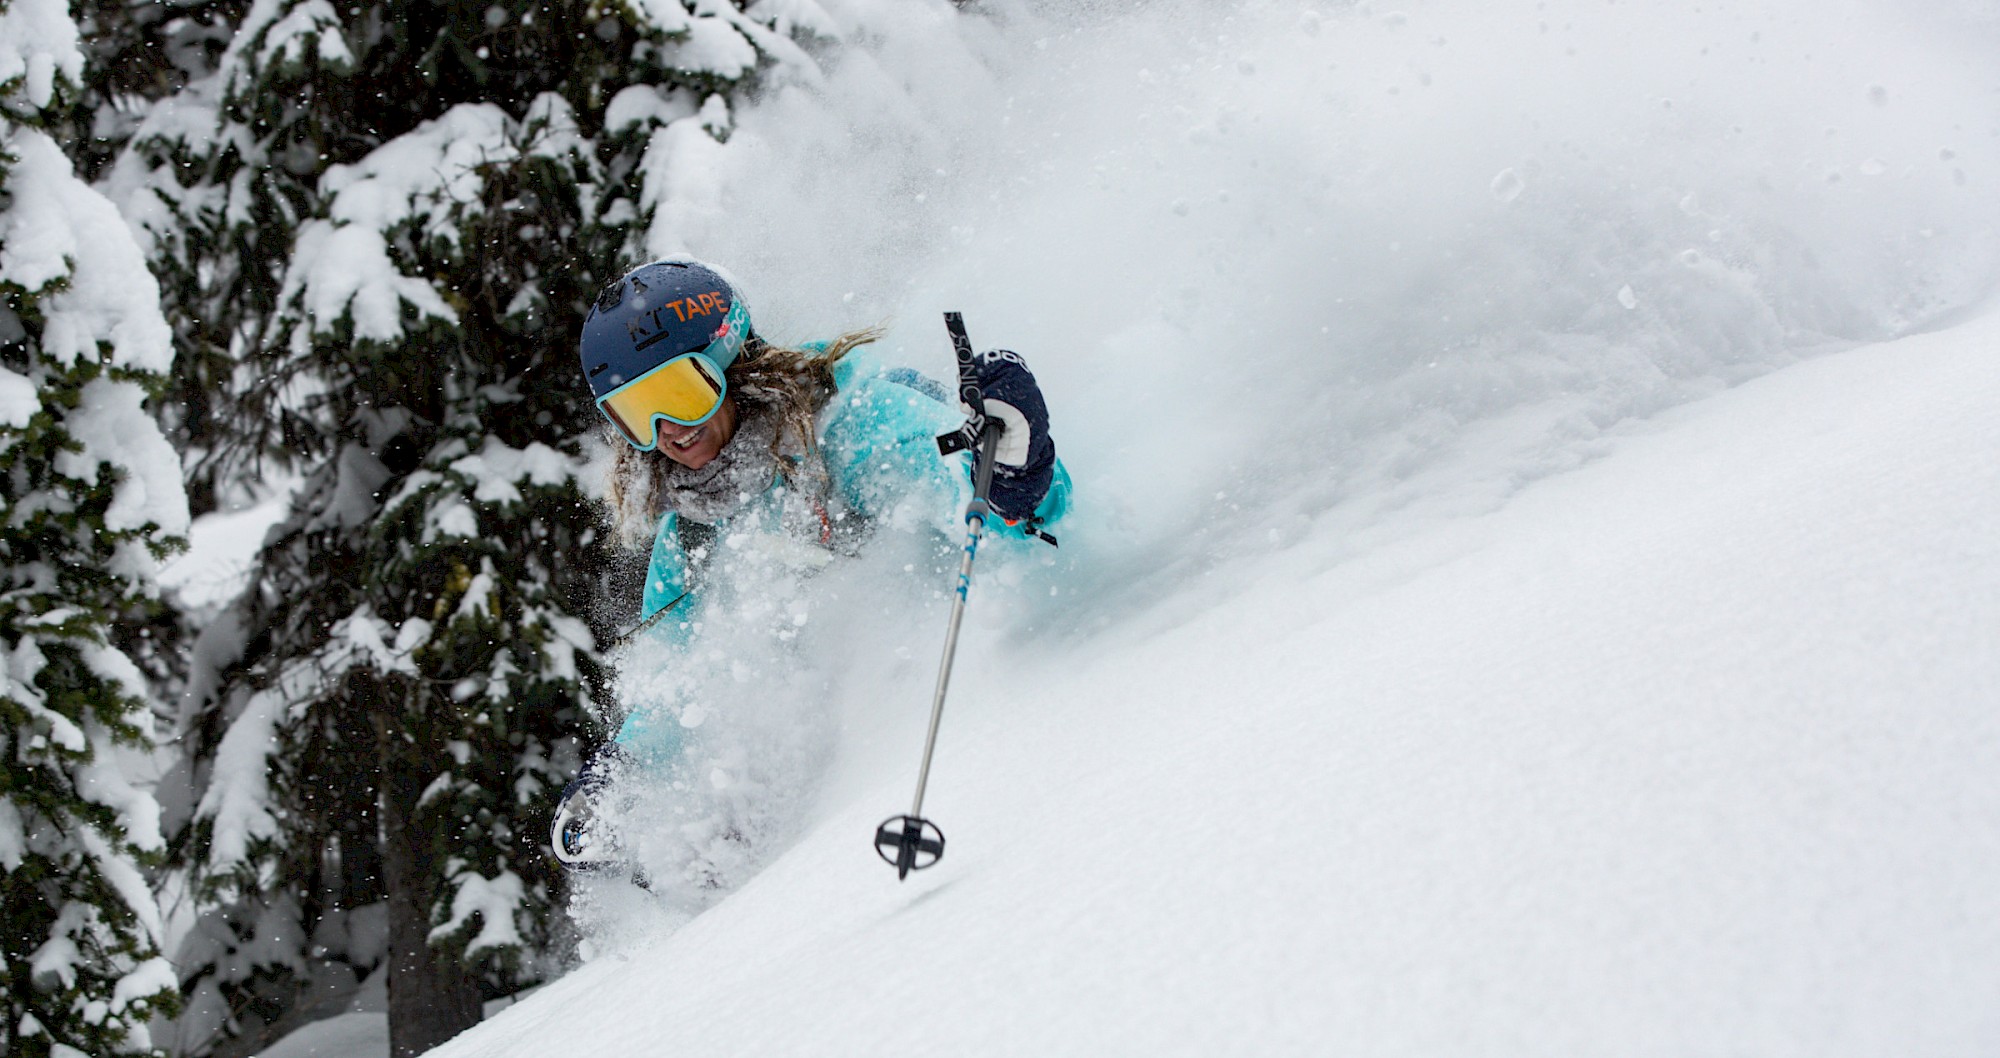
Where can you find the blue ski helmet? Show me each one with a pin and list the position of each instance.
(656, 312)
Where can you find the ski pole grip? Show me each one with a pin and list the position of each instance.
(982, 473)
(966, 436)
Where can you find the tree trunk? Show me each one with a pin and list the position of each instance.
(431, 997)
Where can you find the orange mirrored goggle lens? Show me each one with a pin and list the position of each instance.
(687, 390)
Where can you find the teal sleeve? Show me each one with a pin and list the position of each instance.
(881, 448)
(649, 733)
(1048, 513)
(666, 573)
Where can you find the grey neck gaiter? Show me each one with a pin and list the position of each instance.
(741, 472)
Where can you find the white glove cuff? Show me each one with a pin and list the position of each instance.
(1013, 451)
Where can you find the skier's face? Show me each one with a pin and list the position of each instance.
(693, 446)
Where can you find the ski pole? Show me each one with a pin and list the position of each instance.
(650, 620)
(916, 842)
(969, 434)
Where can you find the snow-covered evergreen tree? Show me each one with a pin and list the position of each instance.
(92, 498)
(381, 225)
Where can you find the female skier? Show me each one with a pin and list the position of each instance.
(808, 445)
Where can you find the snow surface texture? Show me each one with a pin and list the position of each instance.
(1414, 677)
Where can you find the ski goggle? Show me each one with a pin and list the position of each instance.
(687, 389)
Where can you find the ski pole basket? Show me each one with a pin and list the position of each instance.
(909, 843)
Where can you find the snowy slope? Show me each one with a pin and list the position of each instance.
(1689, 751)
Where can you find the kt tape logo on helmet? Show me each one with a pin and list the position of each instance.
(649, 328)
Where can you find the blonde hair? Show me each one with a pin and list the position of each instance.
(794, 382)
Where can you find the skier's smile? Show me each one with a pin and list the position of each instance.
(693, 446)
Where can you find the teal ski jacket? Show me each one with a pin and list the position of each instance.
(878, 444)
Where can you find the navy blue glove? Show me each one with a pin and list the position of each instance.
(1025, 463)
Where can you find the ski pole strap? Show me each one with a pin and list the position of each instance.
(966, 436)
(1033, 527)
